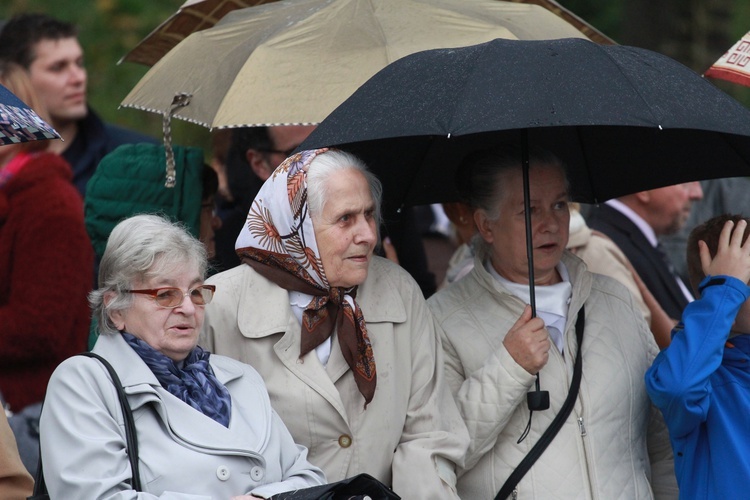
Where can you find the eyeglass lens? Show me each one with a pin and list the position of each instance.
(172, 297)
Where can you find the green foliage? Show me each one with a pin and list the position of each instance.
(108, 30)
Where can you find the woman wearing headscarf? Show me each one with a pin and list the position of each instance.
(614, 443)
(204, 423)
(343, 339)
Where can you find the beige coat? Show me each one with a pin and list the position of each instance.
(409, 436)
(15, 481)
(614, 445)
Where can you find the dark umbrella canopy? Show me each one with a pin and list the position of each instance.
(623, 119)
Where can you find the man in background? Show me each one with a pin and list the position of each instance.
(49, 50)
(635, 222)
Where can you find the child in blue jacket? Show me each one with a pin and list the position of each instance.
(701, 382)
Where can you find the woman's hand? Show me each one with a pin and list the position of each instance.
(732, 257)
(528, 342)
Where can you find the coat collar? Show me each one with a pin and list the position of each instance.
(377, 305)
(580, 279)
(133, 372)
(250, 421)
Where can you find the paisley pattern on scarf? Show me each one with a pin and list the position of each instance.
(194, 383)
(278, 241)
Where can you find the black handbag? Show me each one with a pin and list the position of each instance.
(556, 424)
(131, 438)
(360, 486)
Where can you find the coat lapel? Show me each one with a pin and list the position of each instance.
(184, 422)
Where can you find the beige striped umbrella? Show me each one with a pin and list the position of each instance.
(293, 62)
(196, 15)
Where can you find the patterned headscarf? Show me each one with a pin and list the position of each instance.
(278, 241)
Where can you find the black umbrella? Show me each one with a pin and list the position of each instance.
(623, 119)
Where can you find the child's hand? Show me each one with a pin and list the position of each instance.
(732, 257)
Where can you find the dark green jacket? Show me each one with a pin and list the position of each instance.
(130, 181)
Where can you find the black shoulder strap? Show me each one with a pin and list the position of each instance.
(558, 421)
(131, 437)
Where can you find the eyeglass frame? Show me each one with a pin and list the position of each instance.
(154, 292)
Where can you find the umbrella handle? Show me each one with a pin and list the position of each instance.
(179, 101)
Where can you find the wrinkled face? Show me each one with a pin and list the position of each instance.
(59, 77)
(345, 230)
(173, 332)
(669, 207)
(549, 219)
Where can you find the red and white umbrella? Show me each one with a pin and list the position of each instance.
(734, 66)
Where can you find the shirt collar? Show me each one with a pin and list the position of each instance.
(636, 219)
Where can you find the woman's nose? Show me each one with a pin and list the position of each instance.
(366, 232)
(546, 220)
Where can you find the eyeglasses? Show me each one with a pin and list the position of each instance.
(172, 297)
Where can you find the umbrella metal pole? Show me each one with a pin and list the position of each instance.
(527, 216)
(536, 400)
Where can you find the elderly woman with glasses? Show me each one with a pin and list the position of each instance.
(204, 423)
(343, 339)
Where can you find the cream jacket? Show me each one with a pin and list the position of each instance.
(614, 445)
(410, 435)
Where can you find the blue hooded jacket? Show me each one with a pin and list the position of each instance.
(701, 383)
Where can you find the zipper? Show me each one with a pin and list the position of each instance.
(581, 426)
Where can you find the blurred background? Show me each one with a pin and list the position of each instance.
(694, 32)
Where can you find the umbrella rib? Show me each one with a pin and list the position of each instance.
(633, 87)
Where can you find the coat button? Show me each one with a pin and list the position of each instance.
(256, 473)
(345, 441)
(222, 473)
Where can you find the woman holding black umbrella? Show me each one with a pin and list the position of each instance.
(495, 348)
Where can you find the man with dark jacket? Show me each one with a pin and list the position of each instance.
(635, 222)
(49, 50)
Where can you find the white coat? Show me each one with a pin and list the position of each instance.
(411, 433)
(183, 454)
(614, 445)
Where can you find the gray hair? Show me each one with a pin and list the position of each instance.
(323, 166)
(481, 174)
(139, 248)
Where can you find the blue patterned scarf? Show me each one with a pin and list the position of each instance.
(194, 383)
